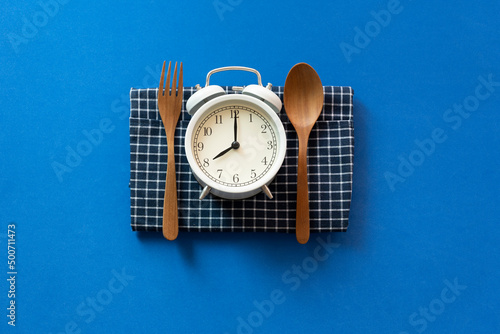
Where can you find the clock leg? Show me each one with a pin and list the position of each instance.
(266, 191)
(205, 192)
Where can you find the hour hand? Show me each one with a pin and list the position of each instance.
(235, 145)
(223, 152)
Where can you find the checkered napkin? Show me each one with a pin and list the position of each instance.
(330, 158)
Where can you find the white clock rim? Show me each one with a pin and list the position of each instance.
(234, 99)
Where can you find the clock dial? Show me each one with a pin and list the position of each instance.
(235, 145)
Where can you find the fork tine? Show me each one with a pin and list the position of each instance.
(180, 89)
(160, 89)
(174, 81)
(167, 85)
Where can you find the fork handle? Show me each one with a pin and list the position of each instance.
(170, 213)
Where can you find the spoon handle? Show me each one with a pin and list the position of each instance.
(302, 215)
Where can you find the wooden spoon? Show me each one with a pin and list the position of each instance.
(303, 98)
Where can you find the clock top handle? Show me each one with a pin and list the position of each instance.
(233, 68)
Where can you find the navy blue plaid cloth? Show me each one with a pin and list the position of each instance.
(330, 159)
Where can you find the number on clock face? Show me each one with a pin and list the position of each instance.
(235, 145)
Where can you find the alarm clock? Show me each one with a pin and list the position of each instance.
(235, 143)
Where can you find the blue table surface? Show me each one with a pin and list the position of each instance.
(421, 253)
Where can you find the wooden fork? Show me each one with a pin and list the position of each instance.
(169, 105)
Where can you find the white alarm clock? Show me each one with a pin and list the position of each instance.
(235, 143)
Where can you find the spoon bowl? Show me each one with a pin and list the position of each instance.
(303, 99)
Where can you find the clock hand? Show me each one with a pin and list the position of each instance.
(223, 152)
(235, 128)
(234, 145)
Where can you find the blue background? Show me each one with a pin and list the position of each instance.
(415, 230)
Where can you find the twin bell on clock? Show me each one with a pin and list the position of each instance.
(235, 143)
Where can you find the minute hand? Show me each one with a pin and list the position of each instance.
(235, 128)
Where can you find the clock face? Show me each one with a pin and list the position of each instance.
(235, 145)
